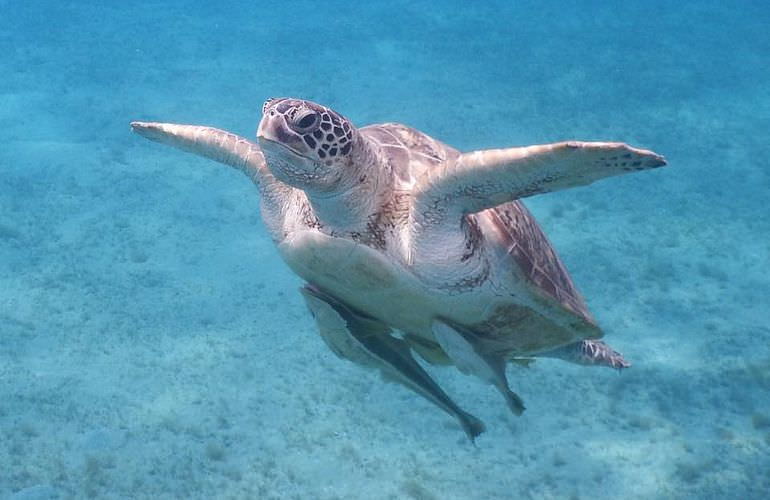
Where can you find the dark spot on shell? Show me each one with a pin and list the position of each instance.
(332, 151)
(309, 141)
(338, 131)
(321, 154)
(318, 134)
(325, 147)
(345, 149)
(329, 137)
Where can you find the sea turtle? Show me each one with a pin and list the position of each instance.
(408, 245)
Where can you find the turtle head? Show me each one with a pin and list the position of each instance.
(306, 145)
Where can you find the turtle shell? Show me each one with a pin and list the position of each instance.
(533, 254)
(510, 225)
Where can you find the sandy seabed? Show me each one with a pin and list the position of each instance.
(153, 345)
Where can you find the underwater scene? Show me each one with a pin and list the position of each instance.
(157, 338)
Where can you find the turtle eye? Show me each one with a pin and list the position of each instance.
(305, 122)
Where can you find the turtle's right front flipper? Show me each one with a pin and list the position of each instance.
(368, 342)
(213, 143)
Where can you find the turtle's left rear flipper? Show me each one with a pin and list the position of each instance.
(368, 342)
(588, 352)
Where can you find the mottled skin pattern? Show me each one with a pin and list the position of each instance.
(403, 231)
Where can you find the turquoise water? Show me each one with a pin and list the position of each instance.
(153, 344)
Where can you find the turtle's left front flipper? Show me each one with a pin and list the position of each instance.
(485, 179)
(368, 342)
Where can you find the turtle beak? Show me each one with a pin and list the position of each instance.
(274, 129)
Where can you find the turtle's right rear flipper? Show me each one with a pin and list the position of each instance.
(369, 342)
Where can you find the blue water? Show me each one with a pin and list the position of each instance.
(153, 345)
